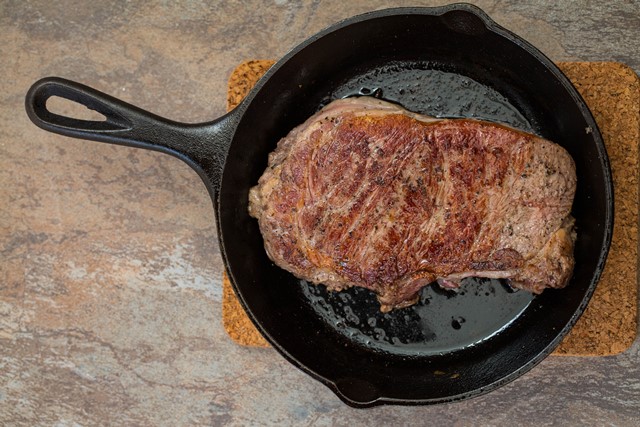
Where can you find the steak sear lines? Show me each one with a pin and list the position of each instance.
(365, 193)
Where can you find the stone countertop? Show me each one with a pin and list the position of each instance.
(110, 274)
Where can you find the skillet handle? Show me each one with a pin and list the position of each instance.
(203, 146)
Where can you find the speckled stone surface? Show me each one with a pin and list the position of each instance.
(110, 273)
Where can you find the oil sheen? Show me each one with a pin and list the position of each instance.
(442, 321)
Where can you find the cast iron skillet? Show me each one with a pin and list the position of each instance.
(445, 61)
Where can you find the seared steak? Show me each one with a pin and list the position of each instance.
(365, 193)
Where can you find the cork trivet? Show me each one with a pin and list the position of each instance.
(608, 326)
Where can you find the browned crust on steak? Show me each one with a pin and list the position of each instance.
(367, 194)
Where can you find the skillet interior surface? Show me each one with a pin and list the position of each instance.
(449, 64)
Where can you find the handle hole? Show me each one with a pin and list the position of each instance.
(67, 108)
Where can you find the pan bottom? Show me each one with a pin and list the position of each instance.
(433, 89)
(441, 322)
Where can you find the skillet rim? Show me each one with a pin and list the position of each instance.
(602, 158)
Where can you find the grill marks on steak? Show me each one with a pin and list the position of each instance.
(365, 193)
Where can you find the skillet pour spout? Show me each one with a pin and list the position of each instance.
(448, 61)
